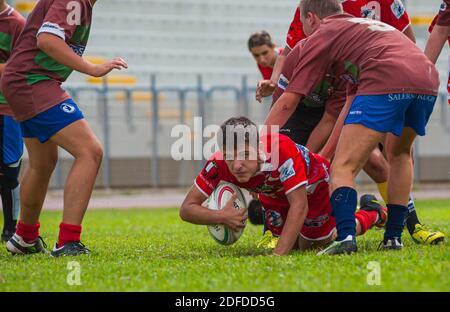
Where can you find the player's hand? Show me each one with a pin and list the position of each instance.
(233, 218)
(265, 88)
(254, 195)
(104, 69)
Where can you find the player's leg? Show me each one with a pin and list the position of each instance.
(399, 186)
(377, 168)
(11, 150)
(351, 155)
(399, 153)
(321, 133)
(79, 140)
(42, 158)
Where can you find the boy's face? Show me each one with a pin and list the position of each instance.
(264, 55)
(243, 163)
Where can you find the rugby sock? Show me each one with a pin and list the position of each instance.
(28, 232)
(382, 189)
(412, 218)
(366, 219)
(344, 201)
(11, 204)
(396, 221)
(68, 233)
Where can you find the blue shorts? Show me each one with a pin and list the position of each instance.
(46, 124)
(11, 143)
(392, 112)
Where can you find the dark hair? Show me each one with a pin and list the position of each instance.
(322, 8)
(237, 130)
(258, 39)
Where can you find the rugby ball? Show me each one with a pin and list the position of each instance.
(217, 201)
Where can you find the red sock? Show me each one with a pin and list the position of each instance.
(28, 232)
(366, 219)
(68, 233)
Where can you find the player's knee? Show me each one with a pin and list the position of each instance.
(341, 168)
(94, 152)
(400, 158)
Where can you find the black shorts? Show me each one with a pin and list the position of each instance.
(302, 123)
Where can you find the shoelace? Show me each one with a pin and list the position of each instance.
(42, 241)
(81, 246)
(423, 227)
(380, 245)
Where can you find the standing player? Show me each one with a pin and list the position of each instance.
(50, 48)
(363, 52)
(391, 12)
(314, 136)
(292, 184)
(11, 143)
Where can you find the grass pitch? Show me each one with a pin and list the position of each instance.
(153, 250)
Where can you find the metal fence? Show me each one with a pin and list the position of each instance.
(204, 101)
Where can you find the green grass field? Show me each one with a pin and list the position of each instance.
(153, 250)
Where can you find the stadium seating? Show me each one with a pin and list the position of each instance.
(179, 39)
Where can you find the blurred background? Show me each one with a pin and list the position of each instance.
(189, 58)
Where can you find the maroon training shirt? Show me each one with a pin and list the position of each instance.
(32, 80)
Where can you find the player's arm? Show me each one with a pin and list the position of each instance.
(267, 87)
(192, 211)
(279, 63)
(57, 49)
(330, 147)
(298, 210)
(409, 32)
(321, 133)
(283, 109)
(2, 68)
(436, 41)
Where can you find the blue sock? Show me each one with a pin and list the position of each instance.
(344, 200)
(396, 221)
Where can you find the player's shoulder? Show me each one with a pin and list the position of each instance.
(17, 18)
(280, 144)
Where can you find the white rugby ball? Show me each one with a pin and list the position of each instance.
(217, 201)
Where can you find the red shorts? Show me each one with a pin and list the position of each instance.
(319, 224)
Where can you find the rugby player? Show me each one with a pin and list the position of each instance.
(362, 52)
(11, 143)
(265, 53)
(309, 127)
(49, 49)
(292, 184)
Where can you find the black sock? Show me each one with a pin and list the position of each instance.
(10, 202)
(412, 218)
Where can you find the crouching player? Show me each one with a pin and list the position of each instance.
(48, 50)
(292, 184)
